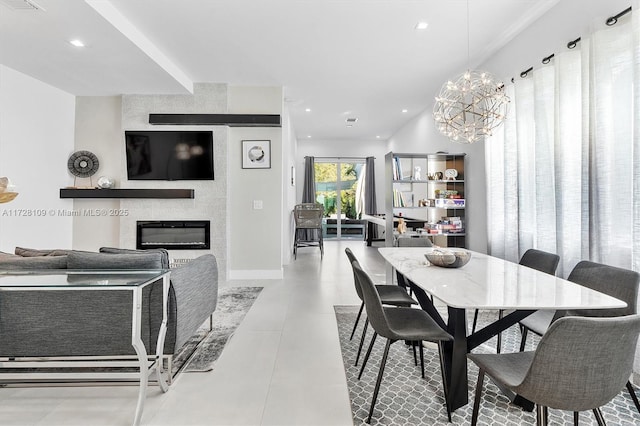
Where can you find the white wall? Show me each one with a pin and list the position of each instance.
(36, 139)
(99, 130)
(255, 243)
(291, 183)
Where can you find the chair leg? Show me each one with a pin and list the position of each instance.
(366, 357)
(599, 417)
(476, 400)
(364, 333)
(576, 417)
(540, 418)
(357, 321)
(475, 321)
(523, 339)
(499, 345)
(546, 415)
(445, 388)
(415, 356)
(421, 357)
(633, 396)
(380, 373)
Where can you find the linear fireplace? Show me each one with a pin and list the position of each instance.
(173, 234)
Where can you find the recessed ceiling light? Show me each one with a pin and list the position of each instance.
(308, 110)
(421, 25)
(308, 136)
(405, 110)
(77, 43)
(377, 136)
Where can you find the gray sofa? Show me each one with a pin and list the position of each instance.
(88, 323)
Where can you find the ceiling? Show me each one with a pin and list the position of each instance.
(341, 59)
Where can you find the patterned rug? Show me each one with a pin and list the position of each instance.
(407, 399)
(233, 305)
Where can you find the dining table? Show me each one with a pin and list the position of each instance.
(485, 283)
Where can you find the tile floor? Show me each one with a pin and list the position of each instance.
(282, 367)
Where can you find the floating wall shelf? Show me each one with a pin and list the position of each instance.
(126, 193)
(231, 120)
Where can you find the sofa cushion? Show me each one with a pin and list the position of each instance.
(115, 250)
(29, 252)
(82, 260)
(39, 262)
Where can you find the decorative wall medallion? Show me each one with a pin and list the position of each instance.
(83, 164)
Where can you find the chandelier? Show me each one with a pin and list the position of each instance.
(470, 107)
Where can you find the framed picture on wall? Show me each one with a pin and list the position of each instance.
(256, 154)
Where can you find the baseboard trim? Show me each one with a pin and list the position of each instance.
(256, 274)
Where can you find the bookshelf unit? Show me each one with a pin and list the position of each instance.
(426, 189)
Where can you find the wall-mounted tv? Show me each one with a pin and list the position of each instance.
(169, 155)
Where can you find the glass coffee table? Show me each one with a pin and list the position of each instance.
(133, 281)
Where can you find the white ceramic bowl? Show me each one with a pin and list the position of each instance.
(448, 258)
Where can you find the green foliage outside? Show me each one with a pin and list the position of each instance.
(326, 188)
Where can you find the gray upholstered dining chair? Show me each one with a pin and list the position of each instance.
(620, 283)
(396, 323)
(542, 261)
(389, 294)
(580, 364)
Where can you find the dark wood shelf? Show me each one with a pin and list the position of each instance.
(126, 193)
(231, 120)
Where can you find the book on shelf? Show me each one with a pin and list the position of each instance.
(400, 199)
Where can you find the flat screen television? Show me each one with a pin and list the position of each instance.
(169, 155)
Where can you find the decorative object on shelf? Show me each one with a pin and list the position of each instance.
(450, 258)
(83, 164)
(402, 226)
(256, 154)
(451, 174)
(470, 106)
(417, 173)
(7, 190)
(106, 182)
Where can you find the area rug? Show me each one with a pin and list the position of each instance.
(407, 399)
(198, 355)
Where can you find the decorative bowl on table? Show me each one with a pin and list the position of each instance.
(448, 258)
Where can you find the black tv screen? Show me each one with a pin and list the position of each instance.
(169, 155)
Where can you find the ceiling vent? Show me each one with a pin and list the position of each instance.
(21, 5)
(351, 121)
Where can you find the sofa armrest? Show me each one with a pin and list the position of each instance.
(193, 298)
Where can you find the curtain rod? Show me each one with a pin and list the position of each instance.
(612, 20)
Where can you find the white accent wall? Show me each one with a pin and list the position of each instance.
(36, 138)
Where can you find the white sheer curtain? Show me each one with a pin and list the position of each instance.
(563, 173)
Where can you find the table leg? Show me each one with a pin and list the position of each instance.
(162, 381)
(143, 359)
(455, 359)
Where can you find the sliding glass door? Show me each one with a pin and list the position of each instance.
(339, 190)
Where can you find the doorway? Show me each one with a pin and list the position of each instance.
(339, 189)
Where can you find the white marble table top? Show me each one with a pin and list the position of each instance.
(488, 282)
